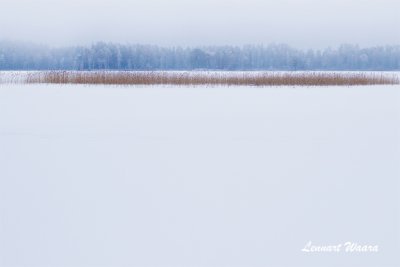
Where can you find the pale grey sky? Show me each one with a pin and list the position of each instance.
(301, 23)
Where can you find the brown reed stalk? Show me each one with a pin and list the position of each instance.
(211, 78)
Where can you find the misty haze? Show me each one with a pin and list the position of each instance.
(199, 133)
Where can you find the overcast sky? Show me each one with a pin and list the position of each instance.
(300, 23)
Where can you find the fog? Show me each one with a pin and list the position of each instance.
(300, 23)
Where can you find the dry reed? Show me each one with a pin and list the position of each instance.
(210, 78)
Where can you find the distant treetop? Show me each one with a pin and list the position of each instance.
(111, 56)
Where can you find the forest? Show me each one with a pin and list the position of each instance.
(113, 56)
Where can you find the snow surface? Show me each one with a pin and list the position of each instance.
(200, 176)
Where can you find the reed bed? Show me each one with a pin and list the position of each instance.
(211, 78)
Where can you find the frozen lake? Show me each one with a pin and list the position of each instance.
(200, 176)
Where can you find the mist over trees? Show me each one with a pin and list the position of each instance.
(111, 56)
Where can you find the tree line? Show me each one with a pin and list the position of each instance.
(112, 56)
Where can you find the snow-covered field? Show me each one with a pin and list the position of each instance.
(200, 176)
